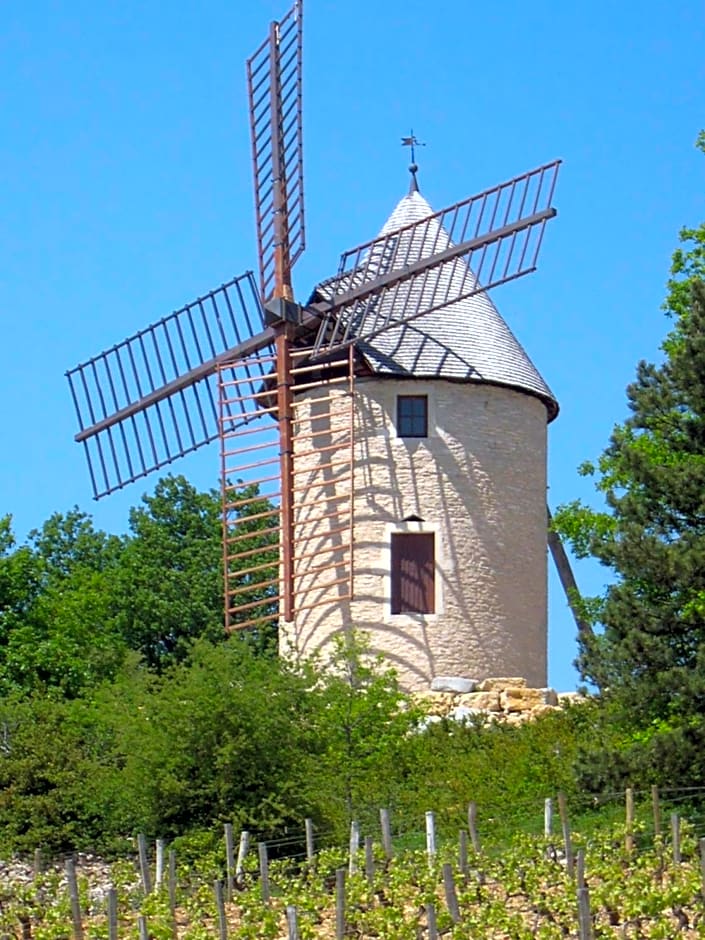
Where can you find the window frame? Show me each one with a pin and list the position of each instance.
(404, 597)
(406, 423)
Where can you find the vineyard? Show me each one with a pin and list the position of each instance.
(639, 878)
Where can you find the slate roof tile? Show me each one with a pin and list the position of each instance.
(465, 340)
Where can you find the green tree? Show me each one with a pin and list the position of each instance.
(360, 725)
(169, 587)
(217, 737)
(648, 653)
(20, 579)
(56, 768)
(74, 600)
(70, 542)
(169, 592)
(57, 629)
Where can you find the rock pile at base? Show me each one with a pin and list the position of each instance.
(506, 699)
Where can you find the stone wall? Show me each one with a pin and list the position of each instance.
(508, 699)
(478, 482)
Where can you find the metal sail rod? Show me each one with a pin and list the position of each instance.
(427, 264)
(282, 269)
(286, 463)
(274, 77)
(283, 331)
(205, 369)
(566, 576)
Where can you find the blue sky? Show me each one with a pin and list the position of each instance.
(125, 190)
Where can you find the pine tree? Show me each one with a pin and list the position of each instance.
(648, 651)
(653, 476)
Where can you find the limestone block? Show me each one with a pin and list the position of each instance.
(462, 713)
(498, 684)
(570, 698)
(543, 710)
(454, 684)
(439, 703)
(426, 701)
(480, 701)
(522, 699)
(551, 698)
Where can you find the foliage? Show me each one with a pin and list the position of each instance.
(687, 265)
(653, 478)
(231, 735)
(648, 655)
(19, 580)
(523, 892)
(57, 630)
(505, 769)
(169, 586)
(75, 601)
(56, 761)
(213, 738)
(359, 725)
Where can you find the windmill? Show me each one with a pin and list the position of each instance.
(274, 380)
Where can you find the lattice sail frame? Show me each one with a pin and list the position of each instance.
(323, 441)
(151, 398)
(275, 91)
(484, 241)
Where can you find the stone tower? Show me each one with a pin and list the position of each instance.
(449, 567)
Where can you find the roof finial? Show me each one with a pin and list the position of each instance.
(411, 141)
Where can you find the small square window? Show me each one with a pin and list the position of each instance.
(412, 415)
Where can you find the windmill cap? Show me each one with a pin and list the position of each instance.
(465, 340)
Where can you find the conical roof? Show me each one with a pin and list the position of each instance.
(465, 340)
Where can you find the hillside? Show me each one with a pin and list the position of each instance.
(618, 881)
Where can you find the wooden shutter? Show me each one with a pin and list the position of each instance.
(413, 572)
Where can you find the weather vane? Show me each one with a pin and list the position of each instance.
(413, 142)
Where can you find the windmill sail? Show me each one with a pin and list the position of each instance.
(274, 82)
(410, 272)
(255, 491)
(152, 398)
